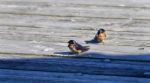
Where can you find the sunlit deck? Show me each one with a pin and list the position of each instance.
(34, 36)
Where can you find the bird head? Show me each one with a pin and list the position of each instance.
(100, 31)
(71, 42)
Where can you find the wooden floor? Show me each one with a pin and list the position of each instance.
(34, 36)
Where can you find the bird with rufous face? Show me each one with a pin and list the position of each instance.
(100, 36)
(76, 48)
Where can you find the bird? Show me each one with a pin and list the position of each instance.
(100, 36)
(76, 48)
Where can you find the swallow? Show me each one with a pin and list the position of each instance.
(76, 48)
(100, 36)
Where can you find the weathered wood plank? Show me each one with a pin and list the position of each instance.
(94, 2)
(36, 29)
(78, 12)
(73, 22)
(40, 21)
(46, 77)
(105, 12)
(49, 48)
(85, 66)
(120, 36)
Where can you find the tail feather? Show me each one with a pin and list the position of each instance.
(85, 48)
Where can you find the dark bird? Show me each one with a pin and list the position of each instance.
(77, 48)
(100, 36)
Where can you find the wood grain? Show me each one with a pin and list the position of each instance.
(34, 36)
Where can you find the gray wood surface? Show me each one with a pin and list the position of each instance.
(85, 66)
(45, 26)
(34, 36)
(46, 77)
(76, 70)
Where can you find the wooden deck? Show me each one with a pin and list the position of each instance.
(34, 36)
